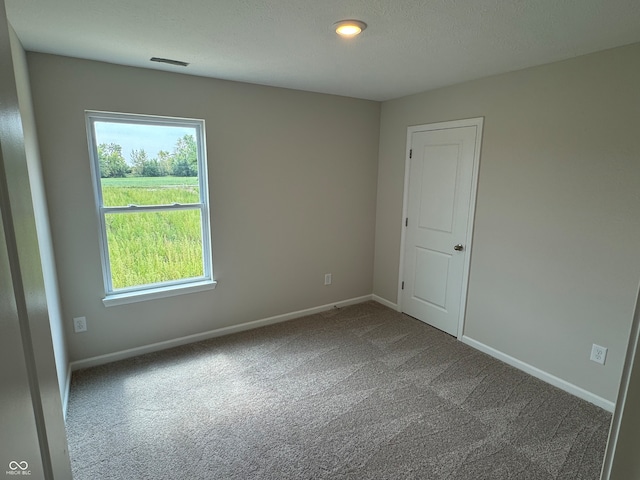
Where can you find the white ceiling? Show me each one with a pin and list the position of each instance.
(410, 45)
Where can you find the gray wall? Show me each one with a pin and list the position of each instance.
(292, 185)
(31, 424)
(554, 266)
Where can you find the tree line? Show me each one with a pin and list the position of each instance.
(182, 162)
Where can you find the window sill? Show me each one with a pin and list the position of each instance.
(160, 292)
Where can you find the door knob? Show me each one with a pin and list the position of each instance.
(458, 248)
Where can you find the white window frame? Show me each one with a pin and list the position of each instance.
(163, 289)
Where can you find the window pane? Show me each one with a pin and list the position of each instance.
(153, 247)
(147, 164)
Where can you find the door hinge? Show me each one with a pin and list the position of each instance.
(406, 222)
(411, 153)
(403, 285)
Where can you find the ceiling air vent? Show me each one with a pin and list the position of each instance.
(169, 61)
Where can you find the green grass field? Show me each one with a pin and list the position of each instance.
(149, 181)
(152, 247)
(149, 191)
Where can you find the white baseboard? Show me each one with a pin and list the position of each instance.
(218, 332)
(541, 374)
(386, 302)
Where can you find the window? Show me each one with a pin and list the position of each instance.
(150, 182)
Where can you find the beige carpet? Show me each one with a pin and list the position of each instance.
(361, 392)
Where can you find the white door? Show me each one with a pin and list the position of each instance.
(439, 203)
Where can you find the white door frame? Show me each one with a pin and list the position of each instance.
(470, 122)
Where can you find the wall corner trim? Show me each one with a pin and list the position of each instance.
(67, 389)
(542, 375)
(218, 332)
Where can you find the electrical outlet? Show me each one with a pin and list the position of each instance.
(327, 279)
(598, 354)
(80, 324)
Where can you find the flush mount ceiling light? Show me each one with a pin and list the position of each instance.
(349, 28)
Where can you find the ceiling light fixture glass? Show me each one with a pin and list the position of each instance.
(349, 28)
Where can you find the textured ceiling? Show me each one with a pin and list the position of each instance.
(410, 45)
